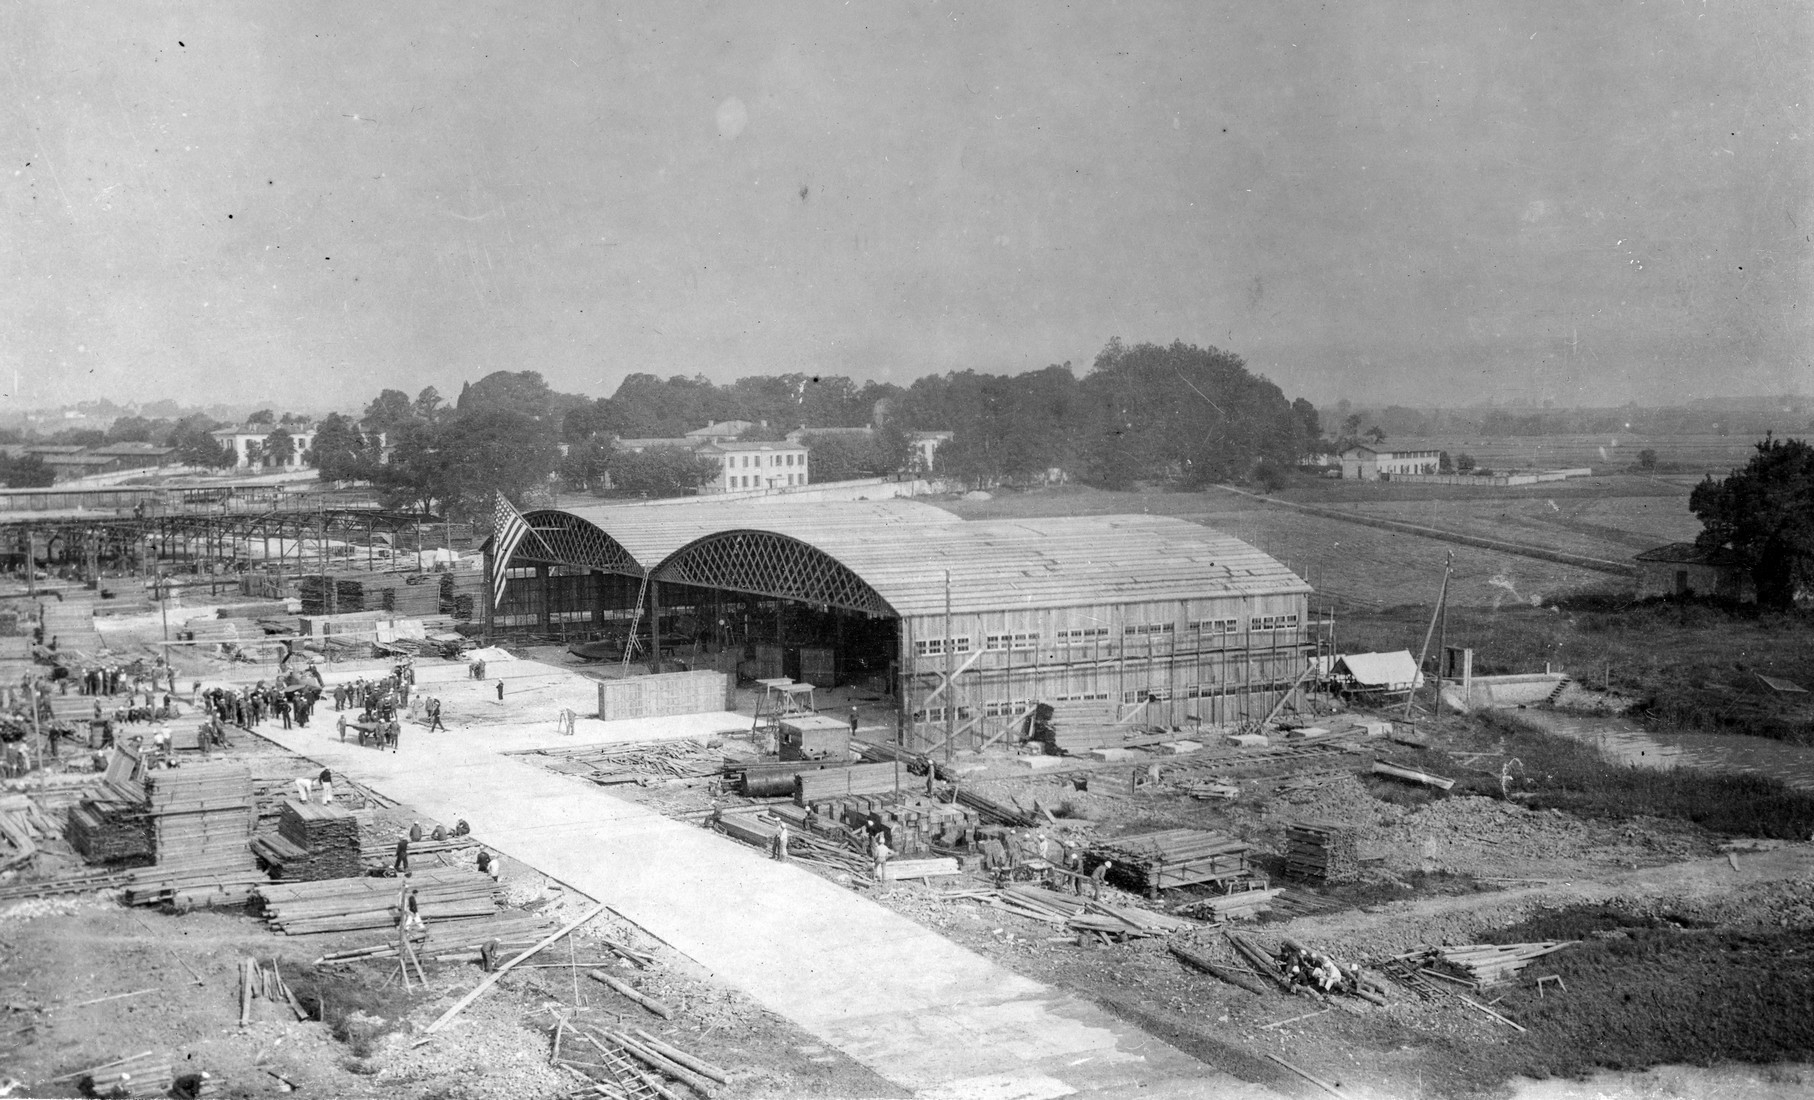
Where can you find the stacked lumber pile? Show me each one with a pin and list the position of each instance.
(1321, 853)
(1173, 857)
(354, 904)
(200, 812)
(1240, 905)
(201, 820)
(858, 779)
(379, 852)
(112, 833)
(1487, 963)
(313, 842)
(112, 827)
(1071, 729)
(460, 593)
(459, 941)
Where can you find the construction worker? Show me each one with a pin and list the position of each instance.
(401, 866)
(434, 715)
(1099, 876)
(412, 913)
(325, 781)
(778, 847)
(500, 691)
(880, 851)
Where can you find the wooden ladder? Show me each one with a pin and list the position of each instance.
(623, 1077)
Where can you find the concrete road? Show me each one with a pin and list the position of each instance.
(916, 1008)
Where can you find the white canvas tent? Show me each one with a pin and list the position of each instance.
(1376, 672)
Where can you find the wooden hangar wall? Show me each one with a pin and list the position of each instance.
(1210, 661)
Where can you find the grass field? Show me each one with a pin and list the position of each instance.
(1617, 450)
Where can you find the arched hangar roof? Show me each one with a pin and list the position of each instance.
(893, 557)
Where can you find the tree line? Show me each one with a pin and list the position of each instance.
(1175, 415)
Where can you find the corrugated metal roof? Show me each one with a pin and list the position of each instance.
(903, 550)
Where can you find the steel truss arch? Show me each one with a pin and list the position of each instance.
(764, 563)
(562, 538)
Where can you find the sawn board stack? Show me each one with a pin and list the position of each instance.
(1173, 857)
(313, 842)
(1321, 853)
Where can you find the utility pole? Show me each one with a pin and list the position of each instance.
(1442, 599)
(950, 675)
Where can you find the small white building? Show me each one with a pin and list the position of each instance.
(743, 466)
(244, 438)
(925, 447)
(1368, 464)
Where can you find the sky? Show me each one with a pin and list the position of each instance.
(1395, 201)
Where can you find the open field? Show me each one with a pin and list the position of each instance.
(1601, 526)
(1368, 568)
(1615, 450)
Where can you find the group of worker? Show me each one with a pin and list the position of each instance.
(117, 680)
(249, 706)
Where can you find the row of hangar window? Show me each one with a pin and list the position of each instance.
(1096, 635)
(1007, 708)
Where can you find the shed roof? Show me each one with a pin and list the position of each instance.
(904, 551)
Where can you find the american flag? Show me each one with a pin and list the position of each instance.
(507, 530)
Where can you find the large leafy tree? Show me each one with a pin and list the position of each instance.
(660, 472)
(195, 447)
(279, 447)
(340, 451)
(1764, 515)
(28, 472)
(1183, 414)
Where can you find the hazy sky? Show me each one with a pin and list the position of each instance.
(1388, 201)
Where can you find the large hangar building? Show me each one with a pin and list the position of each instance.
(967, 624)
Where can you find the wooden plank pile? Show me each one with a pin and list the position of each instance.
(1240, 905)
(112, 827)
(635, 761)
(313, 842)
(1487, 963)
(1321, 853)
(197, 882)
(1173, 857)
(458, 941)
(201, 811)
(858, 779)
(1075, 728)
(1085, 915)
(355, 904)
(22, 825)
(379, 852)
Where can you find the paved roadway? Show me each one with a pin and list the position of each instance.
(916, 1008)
